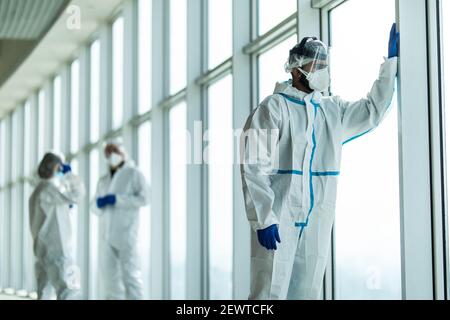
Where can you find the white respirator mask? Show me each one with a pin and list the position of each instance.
(115, 160)
(319, 80)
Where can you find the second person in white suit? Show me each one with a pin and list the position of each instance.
(119, 196)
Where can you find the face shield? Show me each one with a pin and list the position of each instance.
(310, 57)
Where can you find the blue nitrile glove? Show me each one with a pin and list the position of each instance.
(101, 202)
(268, 237)
(110, 199)
(106, 200)
(65, 168)
(394, 40)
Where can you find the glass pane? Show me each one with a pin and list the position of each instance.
(74, 106)
(41, 124)
(446, 37)
(144, 161)
(57, 113)
(16, 245)
(145, 55)
(271, 67)
(220, 160)
(94, 166)
(177, 182)
(271, 13)
(367, 231)
(16, 145)
(117, 73)
(27, 139)
(3, 238)
(74, 213)
(178, 39)
(95, 91)
(220, 31)
(2, 153)
(5, 263)
(28, 255)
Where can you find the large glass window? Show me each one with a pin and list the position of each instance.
(2, 153)
(220, 31)
(16, 245)
(177, 180)
(144, 161)
(16, 204)
(74, 106)
(94, 166)
(271, 67)
(57, 118)
(367, 248)
(95, 91)
(178, 45)
(74, 213)
(16, 145)
(220, 160)
(271, 13)
(446, 37)
(117, 81)
(27, 135)
(41, 124)
(3, 207)
(28, 256)
(145, 55)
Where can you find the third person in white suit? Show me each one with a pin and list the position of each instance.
(119, 196)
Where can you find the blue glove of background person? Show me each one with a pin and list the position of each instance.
(101, 202)
(107, 200)
(394, 40)
(65, 168)
(268, 237)
(110, 199)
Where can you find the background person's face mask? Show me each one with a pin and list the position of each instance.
(115, 160)
(59, 174)
(318, 80)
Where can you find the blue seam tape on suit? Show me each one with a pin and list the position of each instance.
(356, 137)
(311, 173)
(314, 173)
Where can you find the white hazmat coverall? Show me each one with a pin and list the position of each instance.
(120, 225)
(298, 193)
(52, 236)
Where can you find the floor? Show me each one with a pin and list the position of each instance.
(7, 297)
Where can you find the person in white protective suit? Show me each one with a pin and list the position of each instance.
(119, 196)
(57, 191)
(291, 154)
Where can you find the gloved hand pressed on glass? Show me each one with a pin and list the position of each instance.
(394, 40)
(268, 237)
(66, 168)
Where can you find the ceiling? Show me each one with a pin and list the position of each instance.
(27, 19)
(35, 42)
(22, 24)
